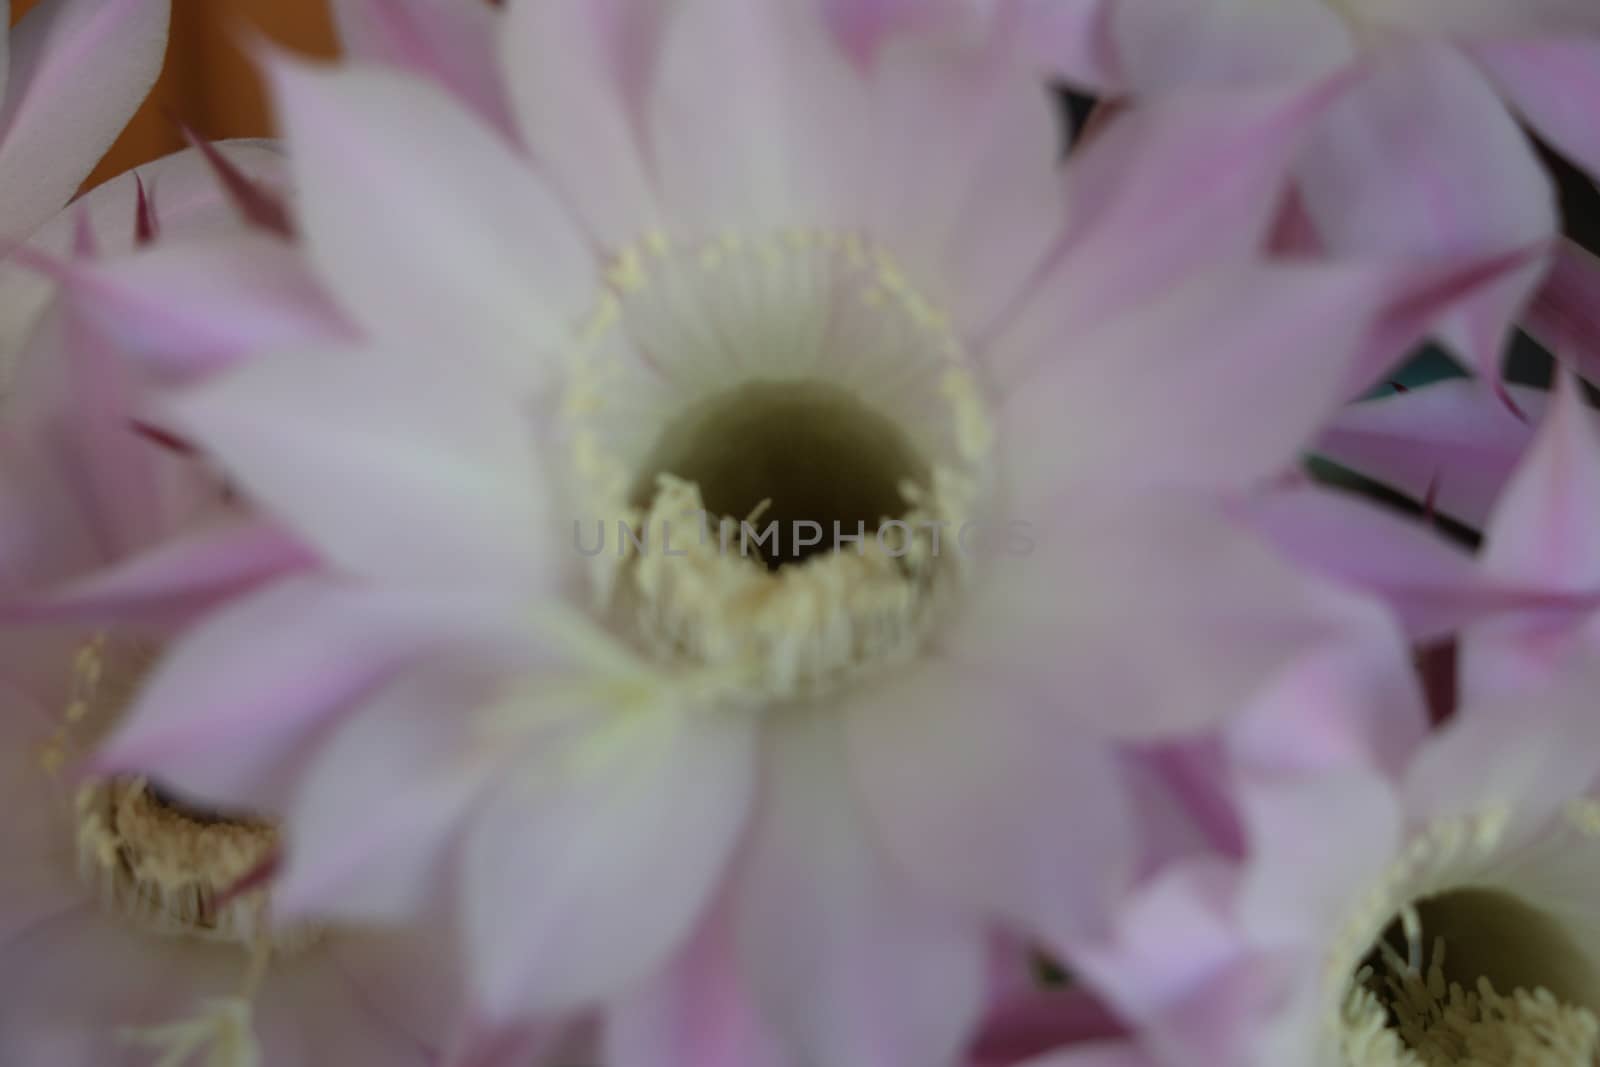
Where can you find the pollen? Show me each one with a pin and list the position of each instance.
(787, 631)
(169, 870)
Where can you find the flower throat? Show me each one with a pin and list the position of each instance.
(1497, 984)
(803, 425)
(782, 454)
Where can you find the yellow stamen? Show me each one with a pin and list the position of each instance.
(1412, 1019)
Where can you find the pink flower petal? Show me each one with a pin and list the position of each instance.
(1181, 801)
(577, 72)
(784, 146)
(696, 1013)
(966, 184)
(1565, 314)
(459, 249)
(79, 69)
(310, 1013)
(1115, 585)
(844, 954)
(965, 775)
(519, 1044)
(1351, 706)
(1454, 442)
(1165, 190)
(254, 202)
(76, 434)
(71, 984)
(1545, 528)
(43, 533)
(1517, 654)
(406, 982)
(1073, 39)
(37, 833)
(1545, 80)
(1181, 395)
(1166, 47)
(176, 579)
(74, 985)
(1099, 1054)
(1480, 19)
(1544, 534)
(191, 307)
(353, 857)
(1177, 945)
(555, 860)
(389, 466)
(1033, 1022)
(1218, 1021)
(1147, 389)
(866, 29)
(1433, 584)
(183, 194)
(1313, 863)
(1420, 160)
(447, 43)
(230, 705)
(1527, 753)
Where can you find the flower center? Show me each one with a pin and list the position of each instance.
(809, 458)
(159, 863)
(776, 443)
(166, 867)
(1491, 971)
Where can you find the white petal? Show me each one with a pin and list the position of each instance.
(579, 105)
(388, 466)
(966, 776)
(78, 71)
(594, 861)
(780, 149)
(459, 250)
(853, 965)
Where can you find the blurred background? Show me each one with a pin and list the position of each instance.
(208, 82)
